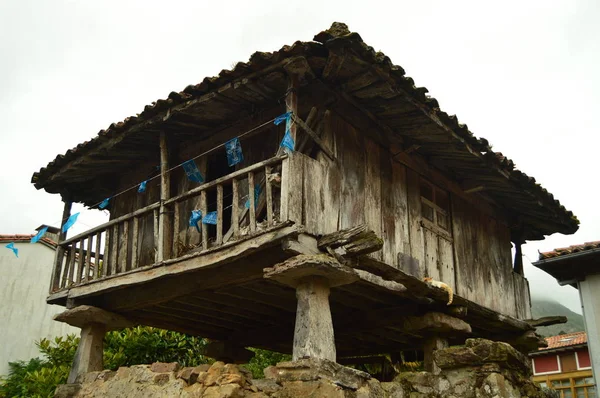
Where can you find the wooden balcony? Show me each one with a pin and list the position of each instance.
(121, 247)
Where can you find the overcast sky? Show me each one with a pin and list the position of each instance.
(523, 74)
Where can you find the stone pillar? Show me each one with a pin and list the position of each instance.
(88, 357)
(431, 345)
(312, 276)
(94, 323)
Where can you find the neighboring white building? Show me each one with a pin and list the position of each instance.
(24, 315)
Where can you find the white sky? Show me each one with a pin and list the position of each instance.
(520, 73)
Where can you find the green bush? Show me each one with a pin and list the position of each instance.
(262, 359)
(38, 378)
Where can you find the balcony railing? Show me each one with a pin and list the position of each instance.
(123, 244)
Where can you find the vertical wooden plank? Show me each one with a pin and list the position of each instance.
(155, 229)
(204, 207)
(98, 257)
(430, 242)
(123, 251)
(66, 266)
(314, 184)
(88, 258)
(60, 251)
(114, 252)
(269, 195)
(176, 227)
(71, 275)
(134, 243)
(106, 255)
(395, 205)
(291, 102)
(328, 138)
(235, 210)
(417, 245)
(372, 193)
(351, 154)
(81, 262)
(292, 188)
(252, 209)
(219, 214)
(446, 263)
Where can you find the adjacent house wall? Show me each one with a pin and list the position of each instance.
(590, 301)
(25, 316)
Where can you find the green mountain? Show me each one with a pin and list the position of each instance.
(541, 308)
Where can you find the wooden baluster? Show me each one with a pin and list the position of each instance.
(65, 268)
(134, 243)
(88, 258)
(235, 210)
(98, 257)
(269, 195)
(252, 210)
(106, 255)
(175, 249)
(219, 214)
(81, 262)
(123, 257)
(114, 251)
(156, 235)
(70, 277)
(204, 209)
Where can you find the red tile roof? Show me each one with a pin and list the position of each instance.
(565, 340)
(569, 250)
(24, 238)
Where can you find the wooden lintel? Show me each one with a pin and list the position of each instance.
(353, 241)
(315, 137)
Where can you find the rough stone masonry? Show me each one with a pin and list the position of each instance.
(479, 369)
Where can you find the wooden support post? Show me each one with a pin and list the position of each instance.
(518, 267)
(291, 101)
(164, 223)
(204, 209)
(433, 344)
(269, 195)
(114, 250)
(60, 252)
(106, 255)
(134, 243)
(313, 276)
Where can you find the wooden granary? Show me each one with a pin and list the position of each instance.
(322, 250)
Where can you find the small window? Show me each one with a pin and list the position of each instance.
(435, 208)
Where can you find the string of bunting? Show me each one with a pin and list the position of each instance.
(233, 150)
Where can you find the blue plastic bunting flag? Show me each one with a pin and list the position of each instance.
(39, 235)
(192, 172)
(195, 219)
(234, 152)
(210, 218)
(12, 247)
(281, 118)
(104, 204)
(142, 187)
(256, 196)
(70, 222)
(288, 141)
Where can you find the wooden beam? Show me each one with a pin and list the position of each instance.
(60, 251)
(353, 241)
(315, 137)
(546, 321)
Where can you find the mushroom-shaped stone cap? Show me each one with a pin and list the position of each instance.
(296, 269)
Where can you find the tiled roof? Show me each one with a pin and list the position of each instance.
(371, 80)
(21, 238)
(565, 340)
(570, 250)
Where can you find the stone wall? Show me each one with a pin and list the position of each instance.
(479, 369)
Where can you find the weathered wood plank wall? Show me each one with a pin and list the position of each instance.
(365, 185)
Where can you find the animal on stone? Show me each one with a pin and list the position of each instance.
(440, 285)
